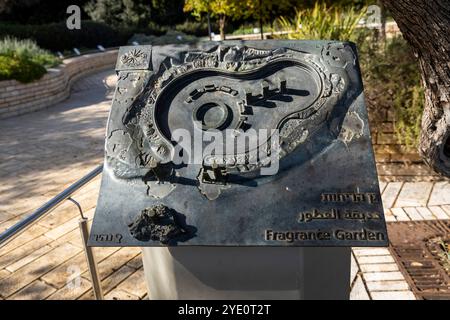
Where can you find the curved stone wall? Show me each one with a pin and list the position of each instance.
(18, 98)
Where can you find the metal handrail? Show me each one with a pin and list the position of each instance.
(12, 232)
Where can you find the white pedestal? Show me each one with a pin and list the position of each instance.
(247, 273)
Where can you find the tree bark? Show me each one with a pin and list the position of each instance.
(222, 26)
(261, 32)
(209, 25)
(426, 26)
(383, 23)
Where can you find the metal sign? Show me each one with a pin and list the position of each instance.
(256, 143)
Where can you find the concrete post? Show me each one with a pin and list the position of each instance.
(247, 272)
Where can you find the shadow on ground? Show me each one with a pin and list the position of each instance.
(44, 151)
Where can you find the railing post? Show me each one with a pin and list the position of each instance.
(92, 265)
(12, 232)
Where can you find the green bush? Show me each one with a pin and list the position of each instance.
(195, 28)
(408, 106)
(27, 49)
(170, 37)
(152, 28)
(20, 69)
(392, 82)
(323, 22)
(56, 36)
(390, 72)
(248, 28)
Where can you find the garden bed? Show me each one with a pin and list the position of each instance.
(18, 98)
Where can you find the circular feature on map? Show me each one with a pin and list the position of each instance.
(211, 115)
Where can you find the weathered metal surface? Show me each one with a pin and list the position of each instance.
(325, 191)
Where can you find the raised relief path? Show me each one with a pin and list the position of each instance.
(44, 152)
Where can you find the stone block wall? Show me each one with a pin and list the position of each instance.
(394, 161)
(18, 98)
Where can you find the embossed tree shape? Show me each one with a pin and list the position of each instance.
(134, 58)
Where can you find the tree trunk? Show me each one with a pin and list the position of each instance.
(209, 25)
(426, 26)
(261, 20)
(222, 26)
(383, 24)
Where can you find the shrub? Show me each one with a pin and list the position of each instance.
(152, 28)
(56, 36)
(196, 28)
(119, 12)
(408, 106)
(249, 28)
(322, 22)
(170, 37)
(27, 49)
(392, 82)
(390, 72)
(20, 69)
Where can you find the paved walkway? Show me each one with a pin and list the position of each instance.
(46, 151)
(42, 153)
(375, 274)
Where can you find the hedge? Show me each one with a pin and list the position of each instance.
(20, 69)
(57, 37)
